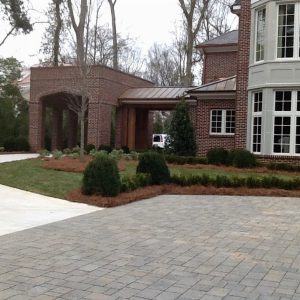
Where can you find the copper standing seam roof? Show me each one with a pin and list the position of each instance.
(222, 85)
(154, 93)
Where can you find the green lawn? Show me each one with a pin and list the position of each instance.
(30, 176)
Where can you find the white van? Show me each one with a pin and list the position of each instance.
(159, 140)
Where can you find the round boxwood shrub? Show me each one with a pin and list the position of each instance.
(106, 148)
(89, 148)
(10, 144)
(21, 144)
(217, 156)
(101, 177)
(154, 164)
(242, 158)
(125, 149)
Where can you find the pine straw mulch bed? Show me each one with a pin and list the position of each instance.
(171, 189)
(69, 164)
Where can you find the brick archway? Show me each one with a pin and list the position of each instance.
(104, 87)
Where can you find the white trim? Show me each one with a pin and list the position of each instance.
(292, 114)
(223, 122)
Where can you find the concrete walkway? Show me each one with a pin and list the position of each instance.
(15, 157)
(21, 210)
(168, 247)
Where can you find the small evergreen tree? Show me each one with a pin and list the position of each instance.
(181, 140)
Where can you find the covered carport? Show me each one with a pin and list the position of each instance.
(135, 113)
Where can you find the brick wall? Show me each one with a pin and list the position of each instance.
(242, 74)
(104, 87)
(205, 141)
(295, 160)
(219, 65)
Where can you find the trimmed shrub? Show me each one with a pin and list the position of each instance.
(125, 149)
(107, 148)
(130, 183)
(57, 154)
(10, 144)
(154, 164)
(89, 148)
(284, 167)
(21, 144)
(116, 154)
(2, 149)
(44, 152)
(242, 158)
(101, 177)
(67, 151)
(217, 156)
(181, 160)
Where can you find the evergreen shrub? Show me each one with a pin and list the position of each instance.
(217, 156)
(101, 177)
(154, 164)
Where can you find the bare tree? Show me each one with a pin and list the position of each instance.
(112, 4)
(80, 106)
(194, 12)
(162, 67)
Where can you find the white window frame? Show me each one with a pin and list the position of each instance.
(256, 32)
(296, 54)
(257, 114)
(293, 114)
(223, 122)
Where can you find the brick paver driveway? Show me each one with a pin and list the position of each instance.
(169, 247)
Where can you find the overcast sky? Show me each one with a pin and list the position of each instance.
(148, 21)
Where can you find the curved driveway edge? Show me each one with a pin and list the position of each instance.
(21, 210)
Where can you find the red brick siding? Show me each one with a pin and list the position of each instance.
(242, 74)
(219, 65)
(205, 141)
(295, 160)
(105, 85)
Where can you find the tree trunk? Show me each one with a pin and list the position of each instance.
(58, 23)
(114, 30)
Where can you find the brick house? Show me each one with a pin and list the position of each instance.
(250, 97)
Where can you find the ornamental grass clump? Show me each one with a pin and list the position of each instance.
(153, 163)
(101, 177)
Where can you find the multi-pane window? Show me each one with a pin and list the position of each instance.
(257, 102)
(282, 134)
(297, 143)
(257, 121)
(288, 31)
(256, 136)
(283, 101)
(222, 121)
(260, 34)
(286, 130)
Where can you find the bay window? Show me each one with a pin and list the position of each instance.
(288, 30)
(286, 126)
(260, 34)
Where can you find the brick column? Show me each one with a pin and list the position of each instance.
(57, 117)
(99, 124)
(242, 74)
(72, 129)
(36, 125)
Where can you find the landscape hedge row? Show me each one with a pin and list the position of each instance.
(226, 181)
